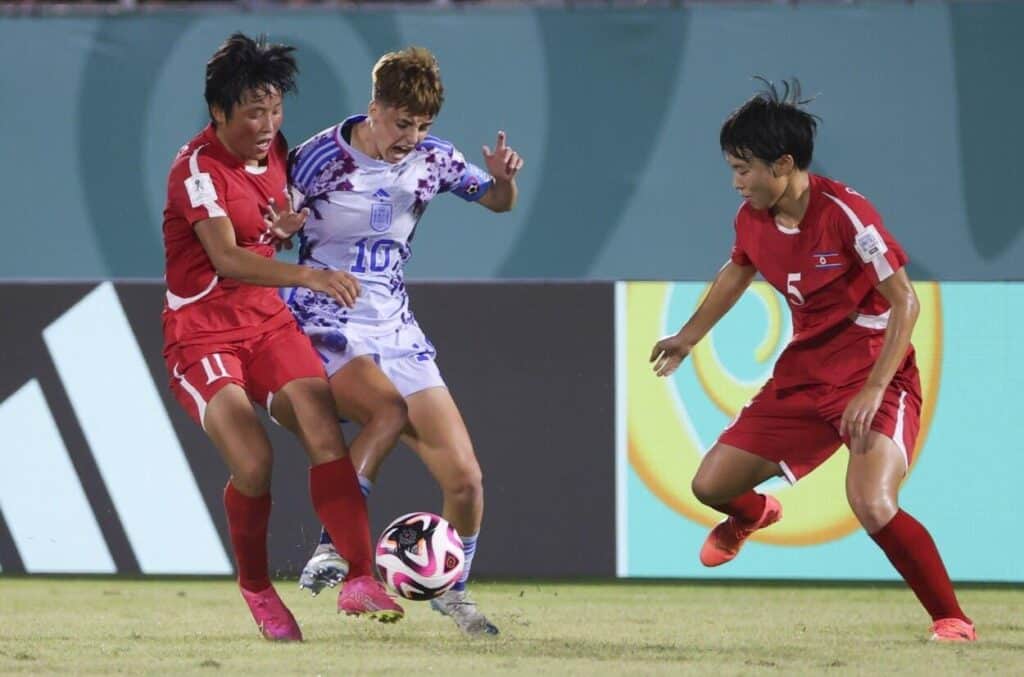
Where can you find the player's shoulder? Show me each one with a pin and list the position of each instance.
(437, 144)
(197, 156)
(843, 202)
(315, 152)
(325, 137)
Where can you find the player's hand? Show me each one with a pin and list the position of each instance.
(338, 284)
(859, 414)
(283, 223)
(503, 163)
(668, 353)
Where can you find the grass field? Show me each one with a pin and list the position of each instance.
(203, 627)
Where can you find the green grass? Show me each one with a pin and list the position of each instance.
(203, 627)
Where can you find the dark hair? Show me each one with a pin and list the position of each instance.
(242, 64)
(769, 126)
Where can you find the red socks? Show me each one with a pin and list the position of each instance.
(746, 508)
(910, 548)
(247, 523)
(906, 543)
(340, 505)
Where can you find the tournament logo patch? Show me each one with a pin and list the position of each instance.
(869, 244)
(825, 260)
(200, 189)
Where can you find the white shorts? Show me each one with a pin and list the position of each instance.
(405, 355)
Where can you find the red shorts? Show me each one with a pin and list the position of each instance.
(799, 428)
(261, 365)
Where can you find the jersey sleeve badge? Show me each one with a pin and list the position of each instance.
(869, 244)
(200, 189)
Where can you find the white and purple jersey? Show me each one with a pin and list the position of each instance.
(363, 215)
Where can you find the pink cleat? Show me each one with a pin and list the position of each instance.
(272, 616)
(366, 596)
(726, 539)
(953, 630)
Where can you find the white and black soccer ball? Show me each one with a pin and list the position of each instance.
(420, 556)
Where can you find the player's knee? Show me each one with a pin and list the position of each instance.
(326, 448)
(872, 511)
(705, 490)
(323, 441)
(390, 416)
(252, 475)
(466, 485)
(318, 430)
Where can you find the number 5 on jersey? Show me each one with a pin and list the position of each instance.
(791, 291)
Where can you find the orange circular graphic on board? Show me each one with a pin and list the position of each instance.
(665, 447)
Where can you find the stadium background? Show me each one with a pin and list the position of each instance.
(617, 113)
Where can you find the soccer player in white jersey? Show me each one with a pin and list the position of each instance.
(366, 182)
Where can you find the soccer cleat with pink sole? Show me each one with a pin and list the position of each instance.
(366, 596)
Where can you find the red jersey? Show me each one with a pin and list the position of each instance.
(827, 269)
(207, 181)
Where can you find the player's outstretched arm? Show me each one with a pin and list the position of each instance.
(730, 283)
(217, 236)
(905, 307)
(503, 164)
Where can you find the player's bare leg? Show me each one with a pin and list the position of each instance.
(873, 478)
(873, 481)
(725, 481)
(308, 407)
(364, 394)
(439, 437)
(237, 433)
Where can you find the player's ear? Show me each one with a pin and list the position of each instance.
(784, 166)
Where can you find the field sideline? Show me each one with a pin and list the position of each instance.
(53, 625)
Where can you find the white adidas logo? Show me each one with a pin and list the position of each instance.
(129, 433)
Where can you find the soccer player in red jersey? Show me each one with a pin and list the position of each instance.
(847, 376)
(230, 341)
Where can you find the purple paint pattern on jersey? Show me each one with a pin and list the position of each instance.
(363, 217)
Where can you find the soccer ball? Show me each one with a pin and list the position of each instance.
(420, 556)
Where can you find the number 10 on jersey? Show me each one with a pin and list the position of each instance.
(375, 257)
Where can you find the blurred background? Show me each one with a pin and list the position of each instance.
(542, 317)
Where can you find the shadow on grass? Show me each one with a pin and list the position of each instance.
(597, 650)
